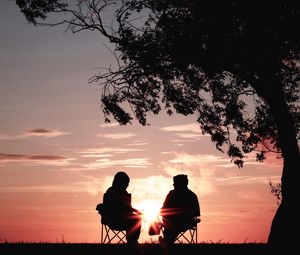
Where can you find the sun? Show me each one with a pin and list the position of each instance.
(150, 210)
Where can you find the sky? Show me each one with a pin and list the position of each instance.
(57, 156)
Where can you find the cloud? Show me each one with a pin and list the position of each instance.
(137, 143)
(200, 169)
(245, 179)
(4, 137)
(39, 159)
(76, 187)
(186, 131)
(189, 135)
(40, 189)
(94, 185)
(203, 165)
(109, 125)
(151, 187)
(105, 151)
(97, 155)
(196, 158)
(116, 135)
(214, 170)
(40, 132)
(90, 185)
(132, 162)
(207, 172)
(191, 127)
(202, 185)
(44, 132)
(154, 187)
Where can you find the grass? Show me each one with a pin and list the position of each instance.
(148, 249)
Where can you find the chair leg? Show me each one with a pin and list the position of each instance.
(191, 239)
(182, 234)
(101, 233)
(108, 235)
(192, 233)
(120, 235)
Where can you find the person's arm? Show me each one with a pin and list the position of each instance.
(165, 210)
(196, 209)
(196, 206)
(129, 206)
(136, 211)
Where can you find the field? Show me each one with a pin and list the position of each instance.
(147, 249)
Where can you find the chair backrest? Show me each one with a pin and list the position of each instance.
(101, 210)
(108, 217)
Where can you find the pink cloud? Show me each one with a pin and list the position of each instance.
(132, 163)
(192, 127)
(187, 131)
(109, 125)
(43, 159)
(44, 132)
(105, 150)
(116, 135)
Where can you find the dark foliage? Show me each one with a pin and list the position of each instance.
(276, 191)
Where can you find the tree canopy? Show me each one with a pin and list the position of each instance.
(235, 64)
(196, 57)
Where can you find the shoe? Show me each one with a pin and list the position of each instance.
(135, 249)
(164, 245)
(162, 241)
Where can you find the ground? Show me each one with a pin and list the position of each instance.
(146, 249)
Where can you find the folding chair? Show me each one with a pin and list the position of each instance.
(109, 234)
(189, 235)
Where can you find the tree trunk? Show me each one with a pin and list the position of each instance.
(285, 224)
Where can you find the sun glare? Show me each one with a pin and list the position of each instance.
(150, 210)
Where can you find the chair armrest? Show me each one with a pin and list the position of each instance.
(100, 208)
(197, 219)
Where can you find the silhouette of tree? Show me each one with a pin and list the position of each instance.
(215, 59)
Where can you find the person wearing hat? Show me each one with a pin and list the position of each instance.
(179, 211)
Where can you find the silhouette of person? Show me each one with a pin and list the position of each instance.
(179, 211)
(119, 213)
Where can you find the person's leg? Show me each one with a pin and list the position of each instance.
(133, 228)
(170, 235)
(170, 230)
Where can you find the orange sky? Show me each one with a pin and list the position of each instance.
(57, 157)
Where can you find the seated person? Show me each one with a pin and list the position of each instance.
(180, 210)
(117, 211)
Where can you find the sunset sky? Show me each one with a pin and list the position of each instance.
(57, 156)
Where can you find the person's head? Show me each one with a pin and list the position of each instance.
(180, 181)
(121, 181)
